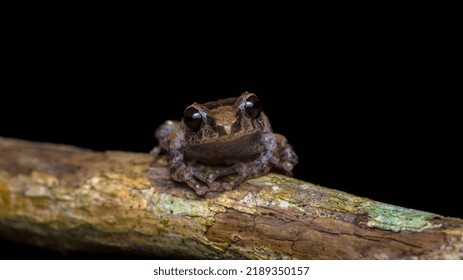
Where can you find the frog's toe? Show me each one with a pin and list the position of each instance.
(192, 183)
(287, 166)
(156, 151)
(201, 190)
(211, 178)
(214, 186)
(227, 186)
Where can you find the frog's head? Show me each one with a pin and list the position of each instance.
(224, 120)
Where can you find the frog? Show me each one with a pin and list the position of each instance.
(220, 144)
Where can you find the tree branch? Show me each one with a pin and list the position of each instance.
(68, 198)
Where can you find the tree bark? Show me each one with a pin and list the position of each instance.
(68, 198)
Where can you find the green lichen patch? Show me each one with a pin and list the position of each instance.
(284, 192)
(178, 206)
(395, 218)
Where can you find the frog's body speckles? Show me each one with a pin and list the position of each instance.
(232, 135)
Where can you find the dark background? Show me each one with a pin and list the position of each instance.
(369, 111)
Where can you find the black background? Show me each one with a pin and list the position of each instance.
(372, 112)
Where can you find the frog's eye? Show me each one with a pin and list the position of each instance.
(192, 118)
(253, 107)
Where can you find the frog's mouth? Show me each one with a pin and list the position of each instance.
(235, 139)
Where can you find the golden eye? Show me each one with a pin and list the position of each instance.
(192, 118)
(253, 107)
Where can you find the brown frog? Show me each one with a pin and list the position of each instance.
(221, 138)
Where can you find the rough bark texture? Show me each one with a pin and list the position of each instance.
(68, 198)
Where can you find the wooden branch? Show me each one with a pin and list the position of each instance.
(68, 198)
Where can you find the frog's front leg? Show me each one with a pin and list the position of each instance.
(211, 178)
(181, 172)
(190, 175)
(257, 167)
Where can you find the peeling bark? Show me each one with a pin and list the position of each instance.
(68, 198)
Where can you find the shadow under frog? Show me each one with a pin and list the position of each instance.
(220, 138)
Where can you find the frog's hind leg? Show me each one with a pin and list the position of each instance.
(286, 157)
(163, 134)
